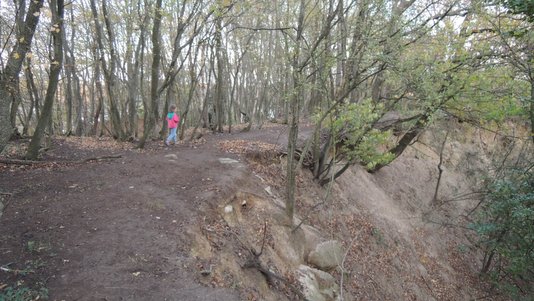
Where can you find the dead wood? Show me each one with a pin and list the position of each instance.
(253, 262)
(18, 161)
(33, 162)
(102, 158)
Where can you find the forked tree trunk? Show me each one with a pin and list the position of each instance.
(56, 7)
(9, 76)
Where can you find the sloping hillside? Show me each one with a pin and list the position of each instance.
(392, 241)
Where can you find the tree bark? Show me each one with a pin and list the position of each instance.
(111, 79)
(219, 88)
(9, 76)
(406, 139)
(109, 75)
(192, 88)
(294, 123)
(56, 7)
(532, 108)
(32, 93)
(15, 103)
(440, 169)
(133, 81)
(156, 61)
(99, 96)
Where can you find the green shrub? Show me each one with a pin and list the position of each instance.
(506, 231)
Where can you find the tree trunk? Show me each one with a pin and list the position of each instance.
(56, 7)
(219, 94)
(68, 97)
(192, 88)
(76, 88)
(110, 76)
(156, 60)
(406, 139)
(16, 100)
(133, 81)
(32, 92)
(99, 95)
(532, 108)
(9, 76)
(294, 123)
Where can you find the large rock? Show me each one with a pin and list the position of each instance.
(312, 237)
(327, 255)
(317, 285)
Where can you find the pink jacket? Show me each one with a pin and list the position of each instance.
(172, 120)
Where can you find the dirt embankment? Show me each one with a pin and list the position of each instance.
(205, 221)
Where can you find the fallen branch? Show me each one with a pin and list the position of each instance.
(6, 193)
(102, 158)
(19, 162)
(254, 263)
(32, 162)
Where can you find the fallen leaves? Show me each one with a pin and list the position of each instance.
(244, 146)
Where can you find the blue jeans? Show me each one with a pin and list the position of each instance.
(172, 135)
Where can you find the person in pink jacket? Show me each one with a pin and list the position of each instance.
(173, 119)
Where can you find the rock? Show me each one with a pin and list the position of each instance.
(269, 191)
(327, 255)
(228, 209)
(317, 285)
(172, 156)
(312, 237)
(227, 161)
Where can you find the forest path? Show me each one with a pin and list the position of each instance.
(118, 229)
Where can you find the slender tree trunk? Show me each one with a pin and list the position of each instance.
(532, 108)
(32, 92)
(111, 79)
(15, 103)
(440, 169)
(219, 94)
(9, 76)
(156, 60)
(56, 7)
(76, 89)
(99, 96)
(133, 81)
(79, 102)
(68, 97)
(109, 73)
(192, 88)
(294, 123)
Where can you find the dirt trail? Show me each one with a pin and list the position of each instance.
(117, 229)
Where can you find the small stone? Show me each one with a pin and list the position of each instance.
(227, 161)
(228, 209)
